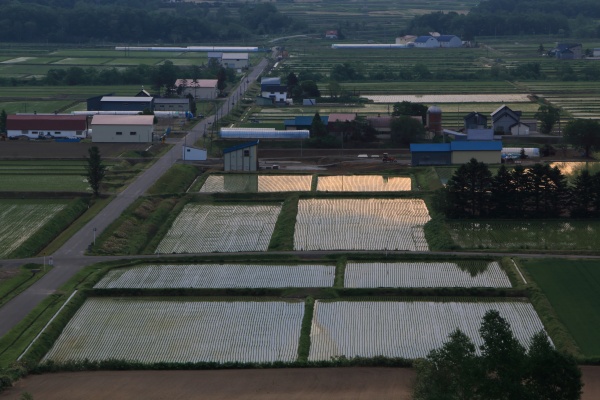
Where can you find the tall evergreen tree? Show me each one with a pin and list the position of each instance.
(3, 118)
(469, 189)
(95, 169)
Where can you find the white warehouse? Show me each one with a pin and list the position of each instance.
(122, 128)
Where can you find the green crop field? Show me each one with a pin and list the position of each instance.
(518, 234)
(573, 289)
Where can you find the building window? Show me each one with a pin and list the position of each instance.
(133, 133)
(57, 133)
(78, 133)
(34, 133)
(119, 133)
(246, 153)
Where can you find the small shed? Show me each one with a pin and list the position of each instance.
(235, 60)
(431, 154)
(243, 157)
(190, 153)
(484, 151)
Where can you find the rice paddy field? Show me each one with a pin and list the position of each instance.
(363, 183)
(181, 331)
(252, 183)
(203, 228)
(425, 274)
(517, 234)
(407, 329)
(43, 176)
(19, 219)
(361, 224)
(572, 287)
(219, 276)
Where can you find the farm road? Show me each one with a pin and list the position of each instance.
(69, 259)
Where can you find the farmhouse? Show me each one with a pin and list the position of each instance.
(126, 103)
(236, 61)
(271, 88)
(205, 89)
(122, 128)
(333, 34)
(175, 105)
(475, 120)
(503, 119)
(48, 126)
(243, 157)
(519, 129)
(426, 42)
(567, 51)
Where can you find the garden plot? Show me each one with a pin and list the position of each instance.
(219, 276)
(19, 219)
(425, 274)
(363, 183)
(180, 331)
(406, 329)
(361, 224)
(248, 183)
(204, 228)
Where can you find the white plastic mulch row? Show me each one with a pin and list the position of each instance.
(363, 183)
(203, 228)
(181, 331)
(19, 221)
(422, 274)
(248, 183)
(406, 329)
(361, 224)
(219, 276)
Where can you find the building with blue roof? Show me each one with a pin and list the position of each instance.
(302, 122)
(449, 41)
(456, 152)
(243, 157)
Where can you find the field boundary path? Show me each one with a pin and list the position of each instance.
(70, 258)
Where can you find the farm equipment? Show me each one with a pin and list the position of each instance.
(387, 158)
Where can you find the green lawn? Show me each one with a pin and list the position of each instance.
(573, 289)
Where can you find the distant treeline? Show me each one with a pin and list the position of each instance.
(515, 17)
(136, 21)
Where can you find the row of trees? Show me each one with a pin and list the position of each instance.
(536, 191)
(503, 369)
(324, 136)
(131, 22)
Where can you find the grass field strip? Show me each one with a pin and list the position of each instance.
(363, 183)
(514, 234)
(452, 98)
(424, 274)
(361, 224)
(181, 331)
(18, 221)
(203, 228)
(249, 183)
(406, 329)
(219, 276)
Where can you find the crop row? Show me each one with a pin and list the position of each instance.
(363, 183)
(406, 329)
(203, 228)
(20, 220)
(181, 331)
(361, 224)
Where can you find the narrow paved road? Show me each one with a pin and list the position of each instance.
(70, 258)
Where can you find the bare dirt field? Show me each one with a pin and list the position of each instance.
(29, 149)
(289, 384)
(251, 384)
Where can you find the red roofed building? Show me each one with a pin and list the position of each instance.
(333, 34)
(48, 126)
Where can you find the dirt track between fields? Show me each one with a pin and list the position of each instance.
(251, 384)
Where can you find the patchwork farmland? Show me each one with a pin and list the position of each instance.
(406, 329)
(357, 224)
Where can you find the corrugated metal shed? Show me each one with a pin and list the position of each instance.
(476, 146)
(241, 146)
(429, 147)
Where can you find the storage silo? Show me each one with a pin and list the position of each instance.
(434, 120)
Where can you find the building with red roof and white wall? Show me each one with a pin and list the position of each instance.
(52, 126)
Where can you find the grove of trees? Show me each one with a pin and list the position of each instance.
(502, 370)
(538, 191)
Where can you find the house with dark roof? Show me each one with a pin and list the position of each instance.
(503, 119)
(475, 120)
(332, 34)
(567, 51)
(426, 42)
(126, 103)
(46, 126)
(449, 41)
(271, 88)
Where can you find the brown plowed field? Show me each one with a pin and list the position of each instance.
(31, 149)
(265, 384)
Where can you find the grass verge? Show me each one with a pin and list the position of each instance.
(304, 342)
(176, 180)
(28, 274)
(283, 234)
